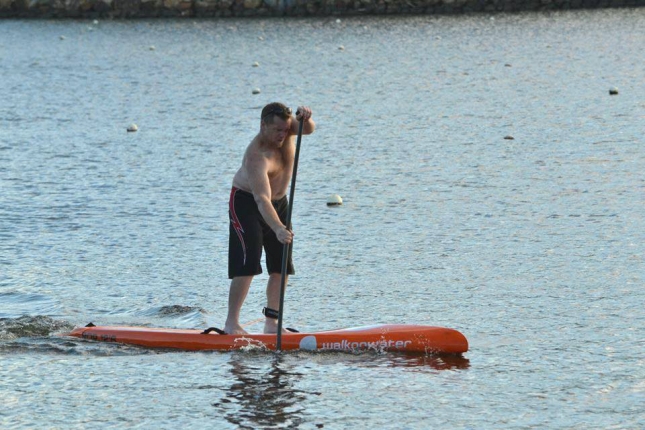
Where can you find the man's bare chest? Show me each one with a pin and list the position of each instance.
(276, 165)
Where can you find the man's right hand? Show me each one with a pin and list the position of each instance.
(284, 235)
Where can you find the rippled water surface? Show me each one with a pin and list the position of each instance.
(530, 246)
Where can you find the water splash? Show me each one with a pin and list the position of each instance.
(176, 310)
(31, 326)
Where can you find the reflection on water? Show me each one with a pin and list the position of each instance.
(266, 387)
(436, 362)
(263, 394)
(391, 360)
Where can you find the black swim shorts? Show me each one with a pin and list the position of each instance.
(249, 233)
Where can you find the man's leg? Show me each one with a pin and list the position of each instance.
(273, 301)
(236, 295)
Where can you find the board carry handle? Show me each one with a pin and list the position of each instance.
(213, 329)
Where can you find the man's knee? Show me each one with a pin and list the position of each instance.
(241, 280)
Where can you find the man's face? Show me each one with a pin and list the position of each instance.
(276, 132)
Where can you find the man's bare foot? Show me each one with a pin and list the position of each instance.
(234, 329)
(271, 326)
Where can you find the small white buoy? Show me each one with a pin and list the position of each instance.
(132, 128)
(256, 91)
(152, 48)
(341, 48)
(95, 22)
(613, 91)
(337, 20)
(334, 200)
(62, 38)
(260, 37)
(256, 64)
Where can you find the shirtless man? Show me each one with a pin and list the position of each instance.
(258, 211)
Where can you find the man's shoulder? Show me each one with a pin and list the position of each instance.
(256, 155)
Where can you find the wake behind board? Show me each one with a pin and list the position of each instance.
(385, 337)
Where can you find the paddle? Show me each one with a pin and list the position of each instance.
(287, 248)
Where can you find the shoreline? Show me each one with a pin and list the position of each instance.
(135, 9)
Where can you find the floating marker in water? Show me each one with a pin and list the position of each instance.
(256, 91)
(334, 200)
(613, 91)
(133, 128)
(341, 48)
(509, 137)
(62, 38)
(256, 64)
(152, 48)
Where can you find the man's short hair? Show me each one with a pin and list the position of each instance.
(272, 110)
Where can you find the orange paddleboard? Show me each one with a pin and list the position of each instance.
(386, 337)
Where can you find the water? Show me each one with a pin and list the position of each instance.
(532, 247)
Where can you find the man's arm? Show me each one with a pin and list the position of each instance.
(258, 171)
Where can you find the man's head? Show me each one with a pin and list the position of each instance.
(275, 110)
(275, 123)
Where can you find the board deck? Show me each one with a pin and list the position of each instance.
(384, 337)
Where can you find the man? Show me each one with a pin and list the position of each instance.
(258, 211)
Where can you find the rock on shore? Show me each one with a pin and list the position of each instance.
(93, 9)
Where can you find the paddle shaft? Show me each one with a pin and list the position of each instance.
(287, 248)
